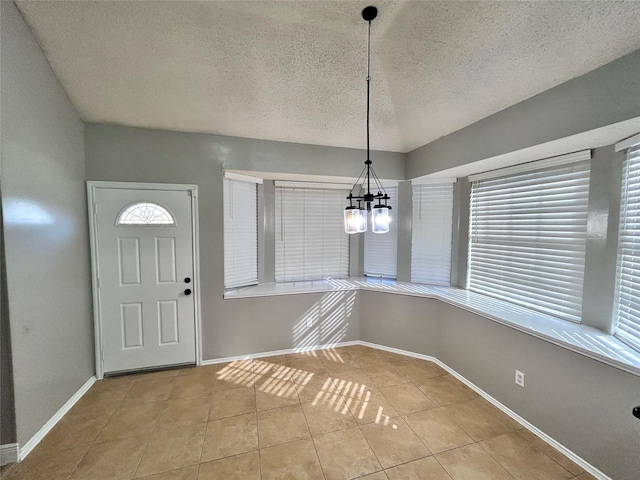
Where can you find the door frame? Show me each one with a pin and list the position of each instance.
(93, 238)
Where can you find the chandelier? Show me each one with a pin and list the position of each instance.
(355, 217)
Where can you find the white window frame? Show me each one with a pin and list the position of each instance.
(381, 249)
(626, 314)
(432, 231)
(310, 241)
(518, 219)
(240, 207)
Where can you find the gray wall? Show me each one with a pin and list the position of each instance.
(45, 228)
(238, 326)
(582, 403)
(607, 95)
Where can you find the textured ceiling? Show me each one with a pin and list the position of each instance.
(295, 71)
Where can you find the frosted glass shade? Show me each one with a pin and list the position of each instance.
(380, 219)
(355, 220)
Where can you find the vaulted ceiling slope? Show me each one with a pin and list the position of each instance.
(295, 71)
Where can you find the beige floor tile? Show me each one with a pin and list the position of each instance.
(519, 457)
(543, 447)
(317, 388)
(227, 376)
(445, 389)
(306, 355)
(230, 436)
(325, 417)
(345, 454)
(276, 393)
(188, 473)
(172, 448)
(160, 374)
(229, 403)
(416, 369)
(239, 467)
(351, 380)
(99, 401)
(437, 430)
(425, 468)
(45, 464)
(395, 443)
(120, 383)
(148, 391)
(586, 476)
(307, 365)
(192, 385)
(375, 476)
(295, 460)
(300, 376)
(386, 377)
(407, 398)
(394, 359)
(371, 362)
(337, 360)
(282, 425)
(478, 418)
(276, 367)
(132, 421)
(185, 411)
(472, 463)
(114, 460)
(369, 406)
(75, 431)
(273, 359)
(358, 350)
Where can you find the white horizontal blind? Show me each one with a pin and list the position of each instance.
(240, 233)
(311, 243)
(527, 238)
(627, 309)
(381, 249)
(431, 232)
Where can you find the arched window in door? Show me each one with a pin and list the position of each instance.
(145, 213)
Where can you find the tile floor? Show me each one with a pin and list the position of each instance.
(350, 412)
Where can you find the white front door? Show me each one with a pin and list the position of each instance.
(144, 259)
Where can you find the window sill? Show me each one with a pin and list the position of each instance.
(581, 339)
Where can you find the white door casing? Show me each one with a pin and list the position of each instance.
(145, 316)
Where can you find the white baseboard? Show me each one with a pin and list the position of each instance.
(46, 428)
(533, 429)
(9, 453)
(274, 353)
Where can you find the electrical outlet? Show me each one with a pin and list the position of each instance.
(519, 378)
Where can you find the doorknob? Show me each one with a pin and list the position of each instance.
(187, 280)
(187, 291)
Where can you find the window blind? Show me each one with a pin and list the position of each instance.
(431, 232)
(240, 233)
(527, 238)
(310, 240)
(627, 308)
(381, 250)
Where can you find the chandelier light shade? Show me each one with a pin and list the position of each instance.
(355, 220)
(355, 217)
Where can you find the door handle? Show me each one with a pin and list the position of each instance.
(187, 291)
(187, 280)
